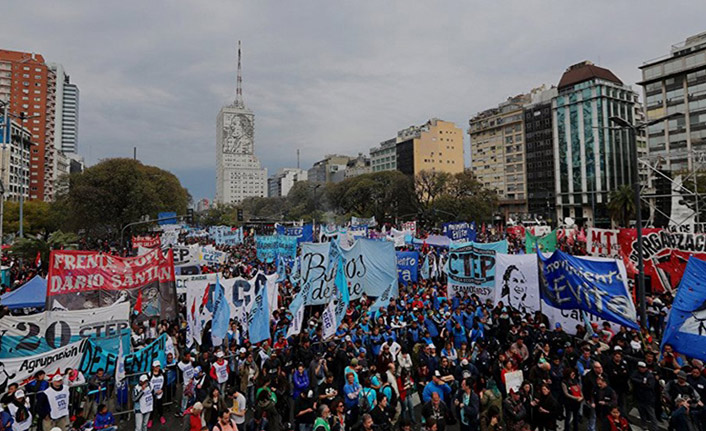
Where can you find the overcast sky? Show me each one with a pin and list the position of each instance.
(321, 76)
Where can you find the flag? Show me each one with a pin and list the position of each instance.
(296, 326)
(425, 268)
(328, 320)
(193, 327)
(384, 299)
(259, 319)
(38, 260)
(341, 283)
(120, 367)
(138, 303)
(686, 325)
(221, 315)
(281, 269)
(434, 268)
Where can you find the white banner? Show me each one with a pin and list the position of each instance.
(240, 294)
(328, 321)
(21, 370)
(30, 335)
(517, 281)
(184, 281)
(603, 243)
(208, 255)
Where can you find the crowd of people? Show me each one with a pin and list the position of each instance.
(425, 361)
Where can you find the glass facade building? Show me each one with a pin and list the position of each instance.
(591, 159)
(671, 84)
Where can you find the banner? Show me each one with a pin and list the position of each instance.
(21, 370)
(410, 226)
(546, 244)
(208, 255)
(471, 268)
(460, 231)
(516, 231)
(270, 246)
(240, 294)
(139, 362)
(603, 243)
(146, 241)
(229, 236)
(686, 326)
(303, 233)
(398, 236)
(258, 319)
(665, 254)
(598, 287)
(516, 281)
(370, 266)
(170, 237)
(407, 265)
(359, 221)
(81, 280)
(29, 335)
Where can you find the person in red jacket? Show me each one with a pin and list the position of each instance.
(617, 421)
(192, 417)
(219, 371)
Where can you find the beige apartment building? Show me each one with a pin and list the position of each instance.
(498, 152)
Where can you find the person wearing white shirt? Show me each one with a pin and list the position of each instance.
(237, 412)
(20, 410)
(143, 399)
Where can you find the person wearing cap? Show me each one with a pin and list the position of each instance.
(219, 371)
(19, 408)
(436, 385)
(53, 404)
(143, 399)
(157, 382)
(680, 387)
(645, 391)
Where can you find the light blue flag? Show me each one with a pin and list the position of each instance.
(425, 268)
(259, 319)
(384, 299)
(341, 283)
(281, 269)
(221, 314)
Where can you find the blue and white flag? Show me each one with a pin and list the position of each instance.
(407, 265)
(259, 319)
(281, 269)
(384, 300)
(221, 314)
(596, 286)
(686, 326)
(425, 268)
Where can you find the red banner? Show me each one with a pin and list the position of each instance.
(88, 279)
(146, 241)
(664, 254)
(516, 231)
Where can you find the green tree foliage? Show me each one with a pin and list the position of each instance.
(621, 205)
(443, 197)
(27, 248)
(38, 218)
(386, 195)
(115, 192)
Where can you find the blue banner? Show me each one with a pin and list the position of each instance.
(460, 231)
(407, 264)
(686, 326)
(259, 318)
(268, 247)
(169, 216)
(471, 268)
(303, 233)
(95, 357)
(287, 246)
(224, 235)
(597, 286)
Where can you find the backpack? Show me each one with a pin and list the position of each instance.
(392, 404)
(363, 401)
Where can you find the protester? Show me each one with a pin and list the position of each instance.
(143, 399)
(53, 405)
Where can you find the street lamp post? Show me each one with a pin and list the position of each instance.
(633, 129)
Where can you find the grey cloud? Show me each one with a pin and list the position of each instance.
(320, 76)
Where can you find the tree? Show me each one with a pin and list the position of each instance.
(27, 248)
(37, 218)
(621, 205)
(115, 192)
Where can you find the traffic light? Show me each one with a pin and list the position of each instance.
(240, 214)
(190, 216)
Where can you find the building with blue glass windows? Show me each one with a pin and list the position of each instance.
(591, 158)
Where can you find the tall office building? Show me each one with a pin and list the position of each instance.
(677, 83)
(539, 154)
(30, 88)
(498, 152)
(14, 157)
(239, 174)
(590, 158)
(66, 128)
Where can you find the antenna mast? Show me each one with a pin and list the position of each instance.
(239, 85)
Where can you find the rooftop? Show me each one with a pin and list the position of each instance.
(585, 71)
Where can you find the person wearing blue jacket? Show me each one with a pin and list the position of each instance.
(436, 385)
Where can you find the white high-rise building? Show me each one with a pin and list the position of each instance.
(239, 174)
(283, 181)
(66, 120)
